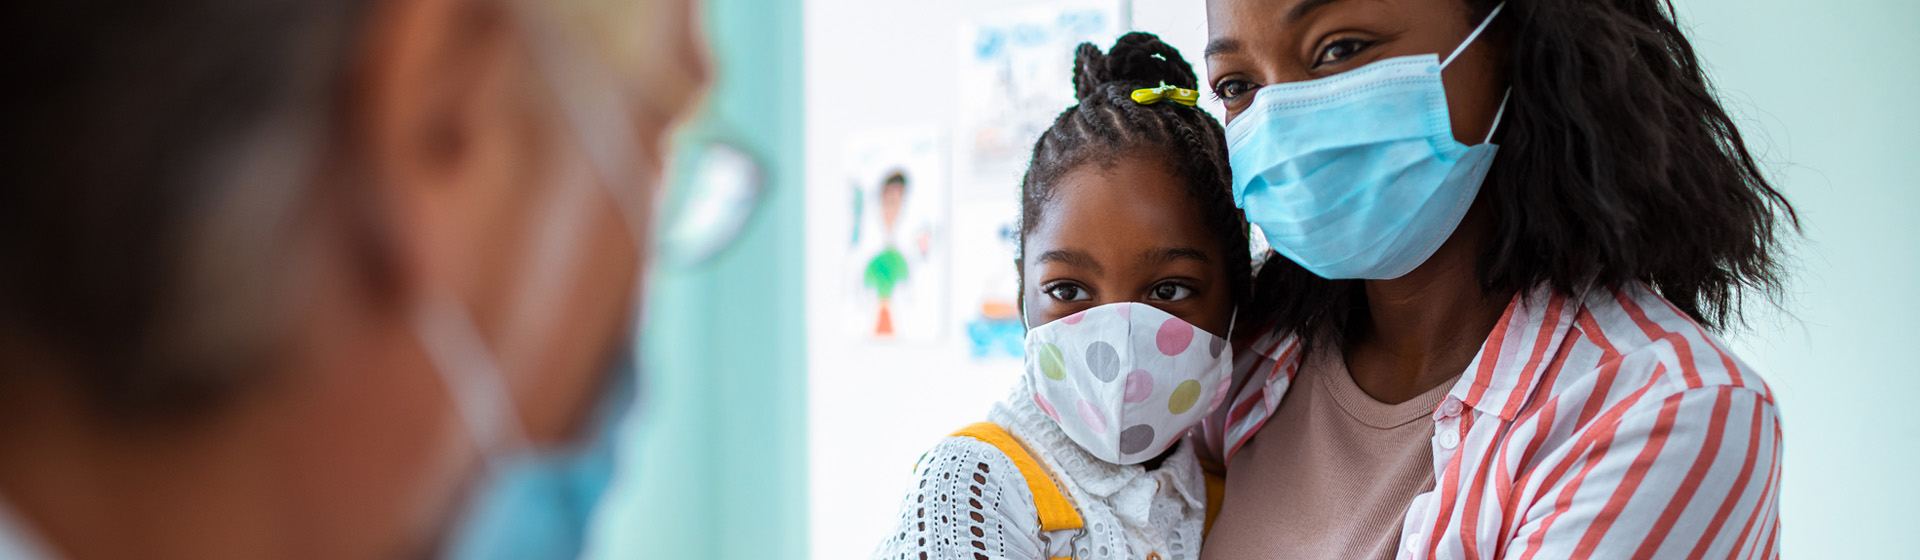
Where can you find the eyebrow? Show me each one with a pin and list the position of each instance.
(1070, 258)
(1170, 254)
(1221, 46)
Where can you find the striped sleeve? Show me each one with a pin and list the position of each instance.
(1693, 475)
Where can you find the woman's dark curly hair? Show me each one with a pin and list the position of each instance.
(1617, 165)
(1108, 125)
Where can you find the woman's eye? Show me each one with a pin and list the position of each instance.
(1340, 50)
(1067, 292)
(1229, 90)
(1170, 292)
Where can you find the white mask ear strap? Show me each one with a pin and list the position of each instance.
(596, 112)
(1471, 36)
(1497, 114)
(478, 386)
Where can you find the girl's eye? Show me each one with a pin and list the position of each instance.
(1340, 50)
(1170, 292)
(1067, 292)
(1229, 90)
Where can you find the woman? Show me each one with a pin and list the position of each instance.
(1504, 234)
(325, 279)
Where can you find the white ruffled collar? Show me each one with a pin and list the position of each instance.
(1101, 479)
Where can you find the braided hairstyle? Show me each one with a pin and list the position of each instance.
(1108, 125)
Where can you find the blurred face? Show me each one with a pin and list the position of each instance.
(891, 195)
(1256, 43)
(1128, 233)
(577, 231)
(520, 159)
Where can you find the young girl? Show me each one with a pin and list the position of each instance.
(1133, 260)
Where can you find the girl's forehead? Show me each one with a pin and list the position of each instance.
(1124, 206)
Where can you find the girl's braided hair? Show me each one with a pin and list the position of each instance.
(1108, 125)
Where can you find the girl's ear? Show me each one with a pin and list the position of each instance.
(1020, 292)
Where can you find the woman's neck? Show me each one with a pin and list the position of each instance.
(1424, 328)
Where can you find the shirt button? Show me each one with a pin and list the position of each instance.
(1449, 439)
(1153, 556)
(1451, 407)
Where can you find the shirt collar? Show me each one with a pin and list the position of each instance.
(1509, 367)
(1020, 415)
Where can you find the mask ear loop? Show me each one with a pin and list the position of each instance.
(1497, 114)
(1471, 36)
(593, 107)
(1463, 48)
(478, 385)
(595, 110)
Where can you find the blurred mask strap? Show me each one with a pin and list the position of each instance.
(597, 114)
(594, 110)
(475, 380)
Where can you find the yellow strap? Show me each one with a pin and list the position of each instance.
(1216, 493)
(1056, 510)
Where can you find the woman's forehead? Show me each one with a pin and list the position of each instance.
(1233, 17)
(1231, 23)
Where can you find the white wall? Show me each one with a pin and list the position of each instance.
(1829, 93)
(875, 409)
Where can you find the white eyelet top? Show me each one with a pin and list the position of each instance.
(970, 502)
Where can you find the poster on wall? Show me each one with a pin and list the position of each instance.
(1016, 77)
(897, 248)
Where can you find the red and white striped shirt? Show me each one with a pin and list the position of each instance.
(1604, 426)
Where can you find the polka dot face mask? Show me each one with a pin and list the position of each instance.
(1126, 380)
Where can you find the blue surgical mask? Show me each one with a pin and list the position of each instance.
(1358, 175)
(534, 503)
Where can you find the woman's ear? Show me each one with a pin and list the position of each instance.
(433, 66)
(445, 119)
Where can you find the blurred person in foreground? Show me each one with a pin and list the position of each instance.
(324, 278)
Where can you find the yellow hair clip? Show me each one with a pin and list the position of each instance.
(1152, 95)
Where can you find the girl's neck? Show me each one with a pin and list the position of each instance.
(1423, 329)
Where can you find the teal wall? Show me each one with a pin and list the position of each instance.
(1828, 93)
(717, 468)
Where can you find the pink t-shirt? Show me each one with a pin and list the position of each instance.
(1330, 475)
